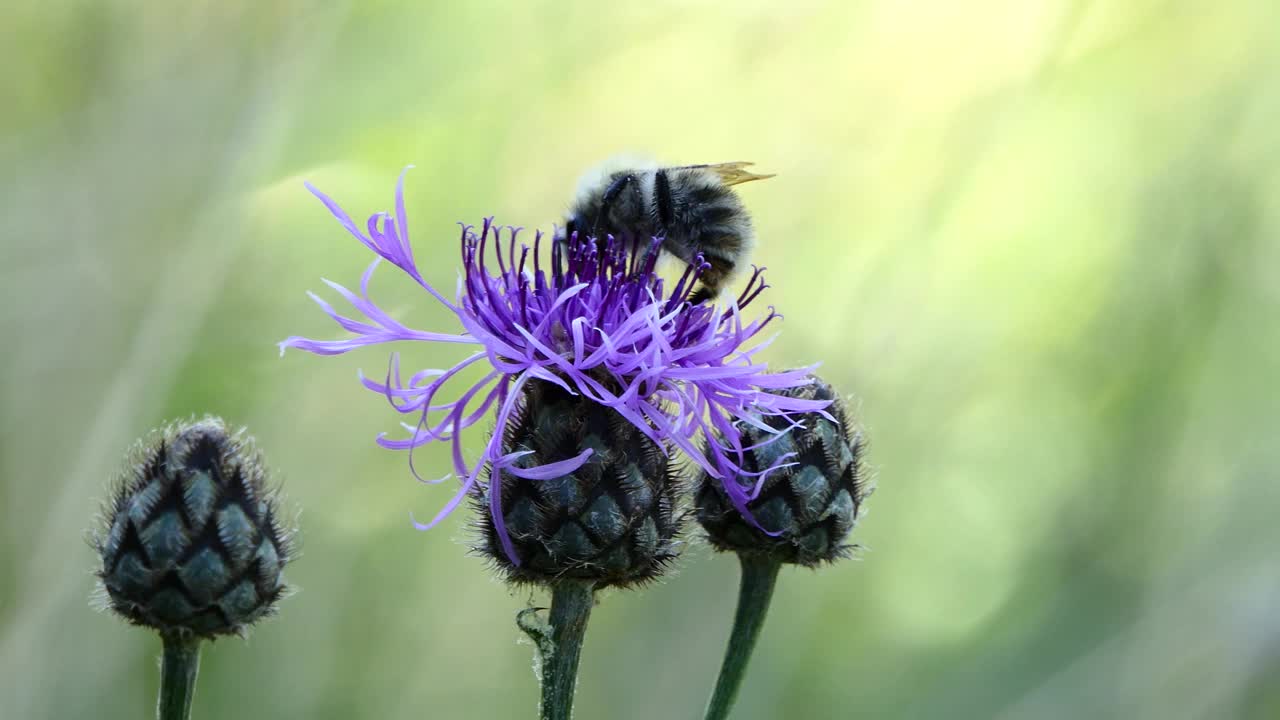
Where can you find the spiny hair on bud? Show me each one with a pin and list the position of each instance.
(802, 513)
(613, 521)
(191, 540)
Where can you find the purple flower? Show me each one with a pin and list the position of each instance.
(592, 317)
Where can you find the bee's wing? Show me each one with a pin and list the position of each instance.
(730, 173)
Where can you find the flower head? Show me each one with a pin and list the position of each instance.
(614, 521)
(591, 316)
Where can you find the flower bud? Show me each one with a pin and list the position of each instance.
(192, 542)
(808, 508)
(612, 521)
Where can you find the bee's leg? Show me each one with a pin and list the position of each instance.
(701, 295)
(663, 202)
(639, 200)
(636, 241)
(712, 278)
(610, 197)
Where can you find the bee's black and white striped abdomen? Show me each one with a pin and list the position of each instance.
(703, 215)
(693, 209)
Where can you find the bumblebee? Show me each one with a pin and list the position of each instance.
(693, 208)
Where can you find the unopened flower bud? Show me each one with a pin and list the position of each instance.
(192, 541)
(808, 508)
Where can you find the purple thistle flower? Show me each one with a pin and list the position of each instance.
(594, 319)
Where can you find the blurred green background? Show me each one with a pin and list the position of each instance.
(1036, 241)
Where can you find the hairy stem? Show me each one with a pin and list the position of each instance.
(571, 602)
(178, 668)
(759, 575)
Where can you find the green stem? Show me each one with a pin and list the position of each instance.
(571, 602)
(178, 668)
(759, 575)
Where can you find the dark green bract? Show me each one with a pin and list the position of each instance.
(611, 521)
(193, 544)
(811, 505)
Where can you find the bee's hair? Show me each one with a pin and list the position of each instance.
(597, 176)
